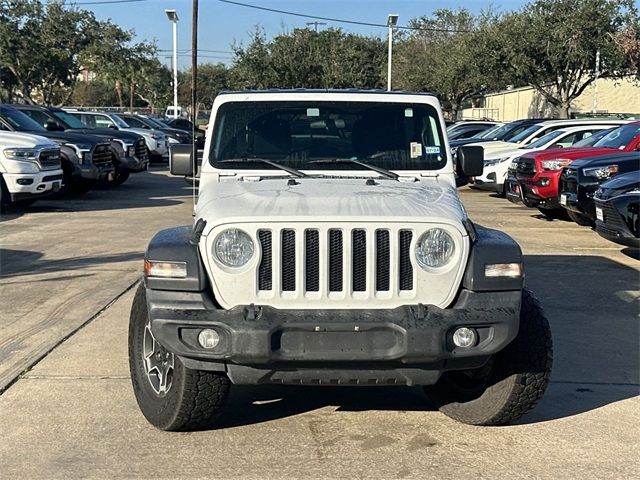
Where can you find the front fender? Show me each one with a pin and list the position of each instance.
(173, 245)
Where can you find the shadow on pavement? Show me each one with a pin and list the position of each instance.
(135, 193)
(24, 262)
(594, 320)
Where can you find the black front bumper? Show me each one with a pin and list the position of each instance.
(407, 345)
(577, 196)
(134, 163)
(92, 172)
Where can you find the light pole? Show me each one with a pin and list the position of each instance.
(392, 20)
(172, 15)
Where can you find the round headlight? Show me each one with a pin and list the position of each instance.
(233, 248)
(435, 248)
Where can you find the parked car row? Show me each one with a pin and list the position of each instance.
(587, 170)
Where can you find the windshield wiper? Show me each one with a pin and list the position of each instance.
(382, 171)
(292, 171)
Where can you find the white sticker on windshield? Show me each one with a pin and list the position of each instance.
(408, 112)
(431, 150)
(415, 149)
(313, 112)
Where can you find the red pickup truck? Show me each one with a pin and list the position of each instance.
(534, 177)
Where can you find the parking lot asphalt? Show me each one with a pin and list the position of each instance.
(67, 265)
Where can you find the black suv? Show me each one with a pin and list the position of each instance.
(130, 154)
(581, 179)
(617, 205)
(86, 159)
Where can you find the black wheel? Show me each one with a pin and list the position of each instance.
(580, 219)
(5, 199)
(510, 384)
(554, 213)
(170, 396)
(121, 176)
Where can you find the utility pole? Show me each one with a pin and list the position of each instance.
(595, 84)
(316, 23)
(392, 20)
(194, 64)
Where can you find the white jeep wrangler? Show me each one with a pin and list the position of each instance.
(29, 168)
(330, 248)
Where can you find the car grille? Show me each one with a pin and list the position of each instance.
(612, 218)
(525, 166)
(141, 149)
(49, 159)
(569, 181)
(102, 154)
(343, 249)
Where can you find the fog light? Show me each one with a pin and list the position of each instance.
(24, 181)
(208, 338)
(464, 337)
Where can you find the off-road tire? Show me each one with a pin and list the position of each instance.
(5, 198)
(580, 219)
(554, 213)
(194, 398)
(515, 382)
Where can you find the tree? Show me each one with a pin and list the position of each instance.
(307, 59)
(552, 46)
(212, 78)
(40, 45)
(444, 54)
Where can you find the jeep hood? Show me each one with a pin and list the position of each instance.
(329, 199)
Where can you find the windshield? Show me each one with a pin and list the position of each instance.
(19, 121)
(526, 133)
(69, 120)
(394, 136)
(620, 137)
(542, 141)
(118, 121)
(488, 133)
(151, 122)
(589, 141)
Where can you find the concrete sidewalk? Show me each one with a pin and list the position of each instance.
(74, 416)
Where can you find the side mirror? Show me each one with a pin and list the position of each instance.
(113, 127)
(470, 161)
(52, 126)
(181, 160)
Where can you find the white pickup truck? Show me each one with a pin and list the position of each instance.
(330, 247)
(29, 167)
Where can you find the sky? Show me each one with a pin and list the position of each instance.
(221, 24)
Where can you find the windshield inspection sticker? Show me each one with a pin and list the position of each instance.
(415, 149)
(431, 150)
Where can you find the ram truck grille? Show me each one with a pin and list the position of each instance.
(317, 265)
(49, 159)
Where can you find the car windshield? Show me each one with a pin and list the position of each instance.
(589, 141)
(69, 120)
(488, 133)
(19, 121)
(118, 121)
(542, 141)
(526, 133)
(620, 137)
(394, 136)
(152, 122)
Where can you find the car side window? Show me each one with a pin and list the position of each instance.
(566, 141)
(102, 121)
(134, 122)
(88, 120)
(39, 117)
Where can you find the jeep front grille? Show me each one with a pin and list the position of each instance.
(369, 254)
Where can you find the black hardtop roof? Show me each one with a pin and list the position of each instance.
(327, 90)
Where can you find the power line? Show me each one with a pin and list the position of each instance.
(340, 20)
(106, 2)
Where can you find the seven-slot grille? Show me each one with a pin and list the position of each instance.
(49, 159)
(101, 154)
(357, 260)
